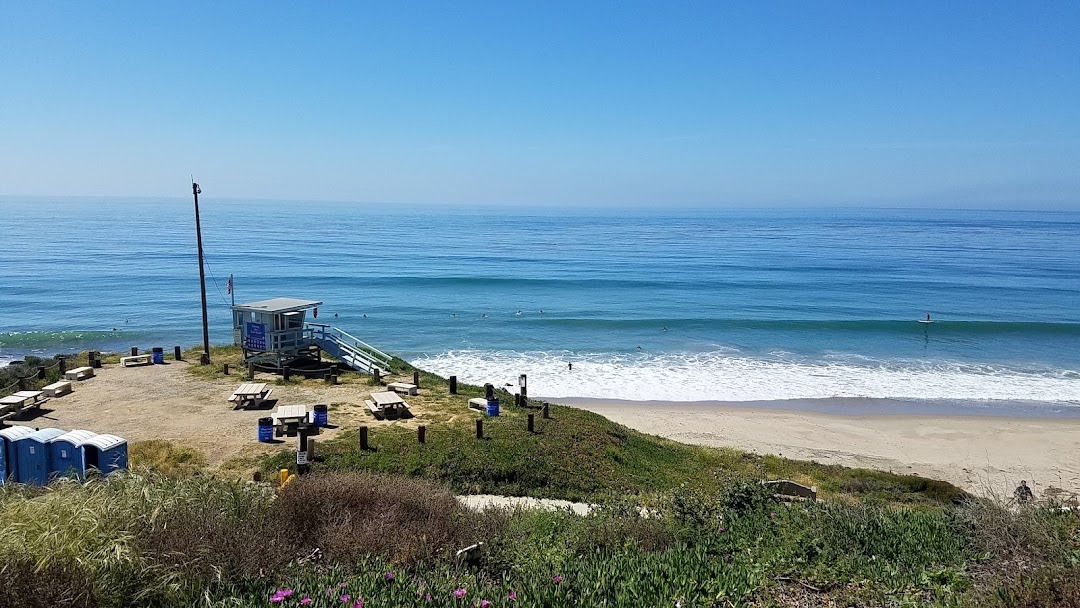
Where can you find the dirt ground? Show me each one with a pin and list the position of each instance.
(164, 401)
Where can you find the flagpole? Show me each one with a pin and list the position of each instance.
(232, 291)
(204, 359)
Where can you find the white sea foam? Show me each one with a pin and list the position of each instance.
(724, 376)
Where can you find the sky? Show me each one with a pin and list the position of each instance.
(712, 103)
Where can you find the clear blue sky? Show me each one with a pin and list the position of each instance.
(921, 103)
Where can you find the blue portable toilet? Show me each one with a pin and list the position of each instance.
(68, 458)
(106, 453)
(8, 455)
(33, 455)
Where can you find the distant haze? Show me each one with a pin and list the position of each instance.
(541, 103)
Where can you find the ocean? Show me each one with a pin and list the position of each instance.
(676, 305)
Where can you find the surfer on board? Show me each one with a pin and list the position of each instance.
(927, 316)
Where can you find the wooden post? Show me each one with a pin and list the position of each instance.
(176, 353)
(95, 359)
(524, 400)
(363, 438)
(251, 371)
(41, 372)
(546, 413)
(489, 392)
(256, 476)
(225, 368)
(421, 432)
(62, 360)
(517, 399)
(376, 376)
(332, 379)
(416, 379)
(530, 423)
(334, 370)
(453, 385)
(24, 383)
(285, 372)
(134, 350)
(479, 428)
(311, 449)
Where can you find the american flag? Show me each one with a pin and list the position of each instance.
(228, 286)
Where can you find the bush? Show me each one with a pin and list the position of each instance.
(58, 584)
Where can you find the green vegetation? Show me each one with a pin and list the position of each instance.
(673, 525)
(153, 540)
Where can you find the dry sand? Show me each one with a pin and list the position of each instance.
(981, 454)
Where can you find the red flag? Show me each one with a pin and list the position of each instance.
(315, 315)
(228, 286)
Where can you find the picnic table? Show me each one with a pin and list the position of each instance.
(387, 403)
(252, 393)
(287, 418)
(17, 401)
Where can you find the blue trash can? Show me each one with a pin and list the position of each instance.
(159, 354)
(266, 430)
(493, 407)
(320, 415)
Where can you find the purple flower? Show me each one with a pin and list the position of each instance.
(723, 529)
(557, 579)
(485, 604)
(460, 593)
(359, 603)
(345, 599)
(342, 584)
(389, 576)
(772, 513)
(427, 598)
(277, 597)
(329, 591)
(511, 596)
(305, 601)
(285, 592)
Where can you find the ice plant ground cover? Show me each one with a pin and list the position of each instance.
(164, 541)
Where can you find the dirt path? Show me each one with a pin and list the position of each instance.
(167, 402)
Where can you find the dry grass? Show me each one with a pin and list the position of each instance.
(165, 457)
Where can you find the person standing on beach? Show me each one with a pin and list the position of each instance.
(569, 366)
(1023, 492)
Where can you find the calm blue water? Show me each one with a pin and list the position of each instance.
(724, 305)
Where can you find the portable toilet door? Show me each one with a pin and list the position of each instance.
(8, 453)
(33, 465)
(68, 457)
(106, 453)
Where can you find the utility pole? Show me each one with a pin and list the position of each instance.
(204, 359)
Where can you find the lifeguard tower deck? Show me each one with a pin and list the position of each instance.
(275, 333)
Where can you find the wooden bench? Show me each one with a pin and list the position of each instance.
(56, 389)
(478, 403)
(79, 373)
(403, 387)
(137, 360)
(374, 408)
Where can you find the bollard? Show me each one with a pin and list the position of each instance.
(546, 413)
(375, 375)
(524, 400)
(421, 432)
(480, 428)
(225, 368)
(453, 385)
(334, 369)
(176, 354)
(134, 351)
(256, 476)
(489, 392)
(251, 371)
(363, 438)
(530, 423)
(283, 476)
(285, 372)
(62, 360)
(517, 399)
(204, 358)
(332, 379)
(416, 379)
(95, 359)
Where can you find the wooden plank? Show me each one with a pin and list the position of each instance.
(385, 399)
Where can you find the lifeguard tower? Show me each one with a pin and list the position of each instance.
(275, 333)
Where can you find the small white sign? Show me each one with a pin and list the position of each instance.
(301, 458)
(31, 450)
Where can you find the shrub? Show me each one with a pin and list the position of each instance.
(58, 584)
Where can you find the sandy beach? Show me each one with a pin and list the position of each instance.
(981, 454)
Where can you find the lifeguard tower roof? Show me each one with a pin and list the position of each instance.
(277, 305)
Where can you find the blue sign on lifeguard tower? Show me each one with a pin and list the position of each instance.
(256, 336)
